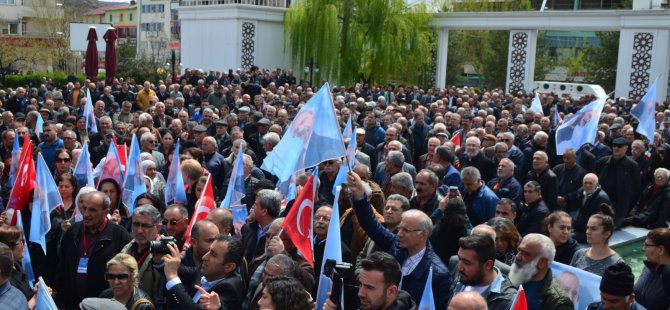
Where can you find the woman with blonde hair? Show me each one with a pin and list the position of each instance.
(123, 283)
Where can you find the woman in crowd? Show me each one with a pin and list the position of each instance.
(150, 199)
(451, 225)
(80, 130)
(157, 179)
(63, 162)
(167, 142)
(507, 239)
(596, 258)
(122, 278)
(557, 227)
(68, 190)
(284, 293)
(118, 210)
(652, 289)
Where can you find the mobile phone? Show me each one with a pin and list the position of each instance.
(453, 191)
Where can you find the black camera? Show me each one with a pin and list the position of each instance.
(342, 275)
(160, 246)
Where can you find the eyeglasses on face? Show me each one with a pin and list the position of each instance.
(407, 230)
(172, 222)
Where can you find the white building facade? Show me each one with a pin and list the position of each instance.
(155, 28)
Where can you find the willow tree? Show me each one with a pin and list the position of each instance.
(360, 40)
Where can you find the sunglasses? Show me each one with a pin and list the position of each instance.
(120, 277)
(64, 160)
(172, 222)
(329, 162)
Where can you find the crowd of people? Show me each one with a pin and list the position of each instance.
(459, 183)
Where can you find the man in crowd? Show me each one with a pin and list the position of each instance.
(86, 247)
(532, 269)
(410, 246)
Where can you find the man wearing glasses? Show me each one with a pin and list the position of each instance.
(410, 247)
(175, 220)
(145, 228)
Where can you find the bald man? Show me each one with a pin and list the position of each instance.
(468, 301)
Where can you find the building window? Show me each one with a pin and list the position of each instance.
(130, 17)
(110, 18)
(143, 8)
(132, 33)
(120, 17)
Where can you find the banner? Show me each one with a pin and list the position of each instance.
(582, 287)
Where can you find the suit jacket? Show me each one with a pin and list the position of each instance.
(568, 180)
(548, 186)
(414, 282)
(486, 167)
(230, 290)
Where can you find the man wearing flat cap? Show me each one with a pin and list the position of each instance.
(616, 290)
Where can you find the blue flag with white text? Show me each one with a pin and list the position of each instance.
(645, 112)
(313, 136)
(91, 125)
(16, 157)
(235, 192)
(174, 185)
(333, 251)
(46, 198)
(83, 171)
(133, 185)
(581, 128)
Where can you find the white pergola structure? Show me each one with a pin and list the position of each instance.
(644, 44)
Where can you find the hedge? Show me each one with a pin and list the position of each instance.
(35, 79)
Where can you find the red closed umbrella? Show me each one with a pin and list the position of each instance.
(92, 55)
(110, 55)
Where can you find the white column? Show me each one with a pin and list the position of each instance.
(643, 57)
(521, 60)
(442, 49)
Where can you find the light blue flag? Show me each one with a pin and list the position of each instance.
(333, 251)
(174, 186)
(235, 192)
(582, 285)
(581, 128)
(557, 116)
(427, 301)
(536, 105)
(43, 299)
(27, 262)
(46, 198)
(313, 136)
(39, 125)
(16, 157)
(347, 164)
(91, 125)
(133, 185)
(645, 112)
(348, 129)
(83, 172)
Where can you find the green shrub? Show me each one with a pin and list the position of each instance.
(35, 79)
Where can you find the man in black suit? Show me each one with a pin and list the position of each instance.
(219, 275)
(620, 179)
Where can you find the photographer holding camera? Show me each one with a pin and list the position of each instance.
(145, 228)
(219, 277)
(379, 281)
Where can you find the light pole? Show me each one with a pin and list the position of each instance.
(313, 67)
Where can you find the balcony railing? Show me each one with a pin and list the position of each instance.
(270, 3)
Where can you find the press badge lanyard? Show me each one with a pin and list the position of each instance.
(96, 238)
(139, 262)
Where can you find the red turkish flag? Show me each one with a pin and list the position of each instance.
(25, 181)
(298, 222)
(520, 300)
(456, 139)
(205, 204)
